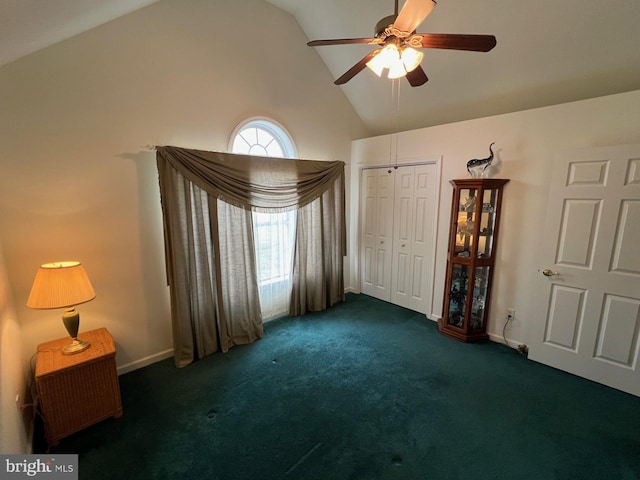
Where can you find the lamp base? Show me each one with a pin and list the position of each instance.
(76, 346)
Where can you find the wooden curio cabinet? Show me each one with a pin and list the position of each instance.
(475, 222)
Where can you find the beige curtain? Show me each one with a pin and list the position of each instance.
(207, 199)
(318, 279)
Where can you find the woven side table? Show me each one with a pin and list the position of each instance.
(76, 391)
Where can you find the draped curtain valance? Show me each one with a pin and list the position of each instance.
(254, 183)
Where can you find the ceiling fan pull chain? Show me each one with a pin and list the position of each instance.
(395, 98)
(391, 137)
(397, 118)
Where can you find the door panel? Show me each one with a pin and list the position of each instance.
(566, 308)
(578, 229)
(412, 279)
(403, 234)
(377, 228)
(626, 258)
(588, 301)
(618, 330)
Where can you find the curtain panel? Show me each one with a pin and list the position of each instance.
(207, 200)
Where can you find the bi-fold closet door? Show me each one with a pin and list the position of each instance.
(398, 211)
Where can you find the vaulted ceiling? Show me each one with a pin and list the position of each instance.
(548, 51)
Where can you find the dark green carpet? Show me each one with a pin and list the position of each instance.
(366, 390)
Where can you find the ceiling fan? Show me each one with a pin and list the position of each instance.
(397, 40)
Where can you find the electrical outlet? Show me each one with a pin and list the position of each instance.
(511, 314)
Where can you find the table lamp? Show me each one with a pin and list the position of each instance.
(63, 285)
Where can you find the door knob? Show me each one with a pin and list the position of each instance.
(549, 273)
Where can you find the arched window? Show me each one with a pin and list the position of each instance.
(262, 137)
(274, 233)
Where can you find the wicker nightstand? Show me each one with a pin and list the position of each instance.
(78, 390)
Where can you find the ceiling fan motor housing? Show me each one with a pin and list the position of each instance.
(385, 23)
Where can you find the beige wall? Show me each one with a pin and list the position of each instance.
(77, 183)
(526, 143)
(14, 372)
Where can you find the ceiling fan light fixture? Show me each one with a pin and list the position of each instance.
(397, 70)
(411, 58)
(389, 58)
(376, 64)
(390, 53)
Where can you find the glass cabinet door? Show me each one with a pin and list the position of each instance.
(466, 222)
(458, 295)
(487, 223)
(480, 284)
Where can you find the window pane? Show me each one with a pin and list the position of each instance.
(274, 246)
(240, 145)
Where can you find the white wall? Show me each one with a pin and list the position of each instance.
(526, 143)
(77, 183)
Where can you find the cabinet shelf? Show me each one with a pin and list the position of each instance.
(475, 215)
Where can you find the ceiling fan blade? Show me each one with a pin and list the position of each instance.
(339, 41)
(356, 69)
(453, 41)
(417, 77)
(412, 14)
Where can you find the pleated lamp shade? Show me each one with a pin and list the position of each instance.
(60, 285)
(63, 285)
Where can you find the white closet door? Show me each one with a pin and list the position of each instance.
(377, 227)
(398, 209)
(413, 237)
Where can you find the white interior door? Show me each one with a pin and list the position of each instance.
(589, 295)
(398, 212)
(377, 228)
(413, 234)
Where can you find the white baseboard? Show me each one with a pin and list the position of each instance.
(143, 362)
(499, 339)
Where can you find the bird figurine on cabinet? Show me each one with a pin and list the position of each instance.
(477, 166)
